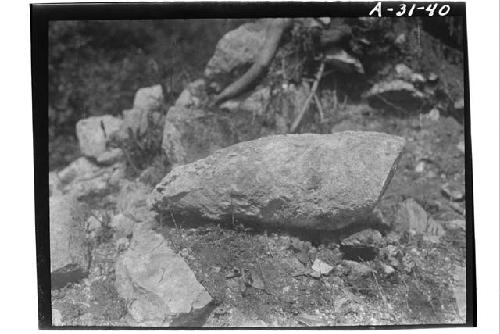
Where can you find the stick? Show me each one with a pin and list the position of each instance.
(305, 107)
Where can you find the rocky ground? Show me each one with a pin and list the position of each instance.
(135, 266)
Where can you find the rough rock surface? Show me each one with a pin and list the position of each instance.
(82, 177)
(149, 98)
(95, 132)
(159, 286)
(191, 134)
(69, 257)
(309, 180)
(237, 49)
(396, 95)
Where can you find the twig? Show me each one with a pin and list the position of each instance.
(305, 107)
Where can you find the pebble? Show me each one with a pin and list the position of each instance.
(452, 194)
(321, 267)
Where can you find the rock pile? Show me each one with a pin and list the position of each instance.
(159, 286)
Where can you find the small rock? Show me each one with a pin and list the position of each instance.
(57, 319)
(458, 224)
(95, 132)
(411, 217)
(192, 95)
(138, 121)
(81, 167)
(365, 238)
(396, 95)
(237, 48)
(123, 225)
(432, 77)
(110, 156)
(149, 98)
(159, 286)
(452, 193)
(387, 270)
(401, 39)
(314, 274)
(257, 280)
(406, 73)
(433, 115)
(420, 167)
(434, 231)
(69, 253)
(322, 267)
(459, 291)
(343, 61)
(461, 146)
(357, 270)
(459, 104)
(312, 320)
(122, 244)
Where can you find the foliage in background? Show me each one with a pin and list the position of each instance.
(95, 67)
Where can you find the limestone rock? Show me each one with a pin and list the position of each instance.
(192, 134)
(159, 286)
(237, 49)
(411, 216)
(82, 176)
(459, 290)
(138, 121)
(396, 95)
(68, 245)
(95, 132)
(341, 60)
(110, 156)
(308, 180)
(365, 238)
(149, 98)
(321, 267)
(192, 95)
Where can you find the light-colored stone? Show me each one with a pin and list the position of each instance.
(405, 73)
(57, 319)
(123, 225)
(396, 95)
(192, 95)
(95, 132)
(237, 48)
(192, 134)
(411, 217)
(68, 243)
(357, 270)
(365, 238)
(149, 98)
(459, 291)
(110, 156)
(309, 180)
(159, 286)
(81, 167)
(321, 267)
(341, 60)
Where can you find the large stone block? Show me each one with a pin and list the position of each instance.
(309, 180)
